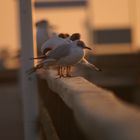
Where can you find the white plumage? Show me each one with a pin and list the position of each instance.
(63, 51)
(53, 43)
(64, 56)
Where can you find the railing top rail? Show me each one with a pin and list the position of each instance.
(97, 111)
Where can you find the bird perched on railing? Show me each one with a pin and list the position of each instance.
(63, 56)
(51, 44)
(59, 41)
(56, 41)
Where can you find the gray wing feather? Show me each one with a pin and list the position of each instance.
(59, 52)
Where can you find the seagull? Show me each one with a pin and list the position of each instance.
(63, 56)
(77, 36)
(51, 44)
(47, 48)
(56, 41)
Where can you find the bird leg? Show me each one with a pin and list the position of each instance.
(60, 71)
(68, 71)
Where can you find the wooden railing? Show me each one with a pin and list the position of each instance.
(75, 109)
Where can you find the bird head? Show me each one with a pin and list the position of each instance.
(66, 35)
(75, 36)
(82, 45)
(63, 35)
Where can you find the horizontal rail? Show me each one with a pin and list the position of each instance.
(98, 113)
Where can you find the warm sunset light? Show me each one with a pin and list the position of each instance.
(69, 70)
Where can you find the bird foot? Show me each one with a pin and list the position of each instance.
(60, 76)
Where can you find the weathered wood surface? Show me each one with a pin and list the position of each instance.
(99, 114)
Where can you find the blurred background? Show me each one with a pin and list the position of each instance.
(110, 27)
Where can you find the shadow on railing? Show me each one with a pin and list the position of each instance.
(75, 109)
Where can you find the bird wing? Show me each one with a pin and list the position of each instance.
(52, 43)
(46, 44)
(60, 52)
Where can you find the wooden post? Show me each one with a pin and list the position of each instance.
(28, 83)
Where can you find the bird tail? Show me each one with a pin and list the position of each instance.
(40, 65)
(34, 69)
(92, 66)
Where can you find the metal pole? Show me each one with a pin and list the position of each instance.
(28, 83)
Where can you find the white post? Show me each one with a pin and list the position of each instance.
(28, 83)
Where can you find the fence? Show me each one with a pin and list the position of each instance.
(74, 108)
(70, 108)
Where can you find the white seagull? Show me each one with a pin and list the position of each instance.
(56, 41)
(63, 56)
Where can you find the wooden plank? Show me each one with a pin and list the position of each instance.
(99, 114)
(28, 84)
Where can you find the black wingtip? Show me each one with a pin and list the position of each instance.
(99, 70)
(30, 71)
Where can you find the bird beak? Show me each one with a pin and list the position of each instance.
(87, 48)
